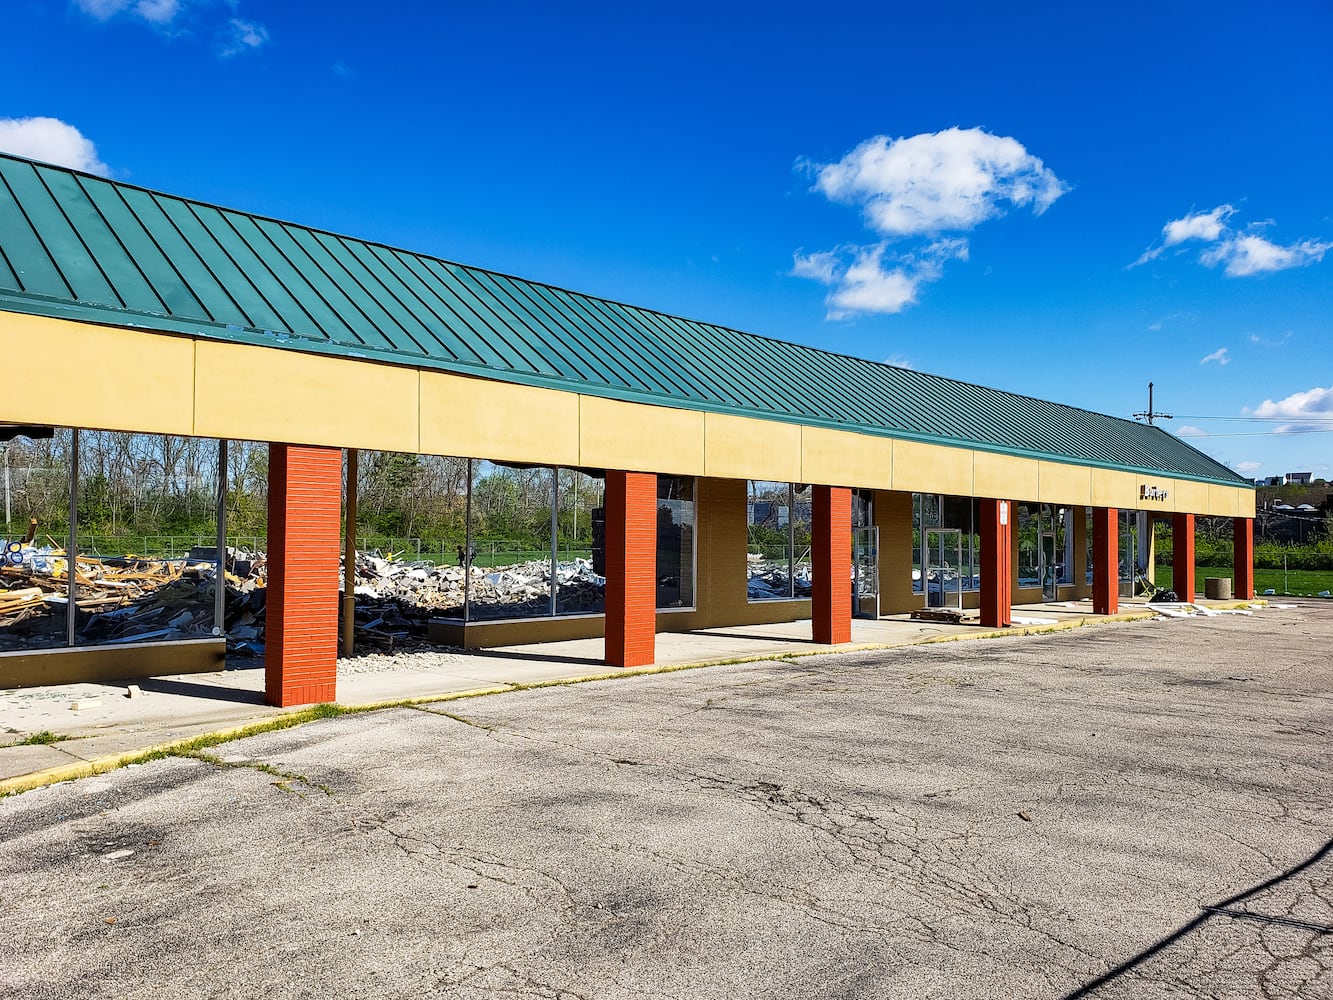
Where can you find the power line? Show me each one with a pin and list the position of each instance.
(1313, 419)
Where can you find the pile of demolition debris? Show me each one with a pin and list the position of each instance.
(138, 599)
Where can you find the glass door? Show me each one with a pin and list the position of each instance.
(865, 572)
(1129, 551)
(1049, 554)
(942, 567)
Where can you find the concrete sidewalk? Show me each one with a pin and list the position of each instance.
(98, 724)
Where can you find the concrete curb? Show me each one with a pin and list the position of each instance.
(286, 720)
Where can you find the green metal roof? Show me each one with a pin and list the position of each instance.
(85, 248)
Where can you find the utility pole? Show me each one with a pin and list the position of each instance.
(1150, 413)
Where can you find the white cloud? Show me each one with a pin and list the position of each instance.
(1252, 254)
(822, 265)
(153, 11)
(1243, 254)
(1190, 431)
(1247, 468)
(1269, 341)
(158, 11)
(1206, 226)
(938, 181)
(51, 141)
(899, 361)
(242, 36)
(1308, 410)
(916, 188)
(101, 9)
(869, 279)
(1219, 355)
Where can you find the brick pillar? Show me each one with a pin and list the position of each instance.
(831, 556)
(1242, 534)
(304, 537)
(1105, 560)
(1182, 556)
(631, 568)
(997, 569)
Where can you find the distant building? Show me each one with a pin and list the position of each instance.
(1268, 481)
(1296, 479)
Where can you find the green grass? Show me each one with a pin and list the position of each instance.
(44, 738)
(1298, 581)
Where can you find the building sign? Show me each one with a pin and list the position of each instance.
(1151, 493)
(1004, 511)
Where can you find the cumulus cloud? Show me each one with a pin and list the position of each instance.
(51, 141)
(242, 36)
(1303, 411)
(1190, 431)
(1219, 355)
(871, 279)
(938, 181)
(899, 361)
(1241, 253)
(1252, 254)
(1247, 468)
(153, 11)
(916, 189)
(1206, 226)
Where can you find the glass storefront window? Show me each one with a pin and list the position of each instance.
(779, 517)
(675, 542)
(139, 541)
(1028, 526)
(580, 588)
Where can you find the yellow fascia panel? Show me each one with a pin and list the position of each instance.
(1225, 501)
(746, 448)
(1070, 485)
(267, 394)
(1245, 501)
(1190, 498)
(481, 418)
(845, 458)
(86, 375)
(1111, 488)
(932, 468)
(640, 438)
(1005, 477)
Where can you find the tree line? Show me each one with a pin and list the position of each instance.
(134, 486)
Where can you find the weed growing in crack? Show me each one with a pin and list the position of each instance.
(44, 738)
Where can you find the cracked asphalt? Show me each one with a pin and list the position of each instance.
(1032, 817)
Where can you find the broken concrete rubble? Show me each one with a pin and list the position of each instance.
(134, 599)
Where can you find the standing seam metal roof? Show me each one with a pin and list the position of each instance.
(81, 247)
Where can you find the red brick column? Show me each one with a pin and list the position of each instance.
(304, 537)
(831, 556)
(1242, 534)
(1105, 560)
(997, 568)
(1182, 556)
(631, 568)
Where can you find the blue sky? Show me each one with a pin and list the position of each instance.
(1066, 207)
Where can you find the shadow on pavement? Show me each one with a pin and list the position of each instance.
(1208, 912)
(192, 689)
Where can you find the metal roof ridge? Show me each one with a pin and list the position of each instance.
(824, 352)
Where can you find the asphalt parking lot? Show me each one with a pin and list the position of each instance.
(1048, 816)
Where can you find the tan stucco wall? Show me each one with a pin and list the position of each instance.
(121, 379)
(893, 515)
